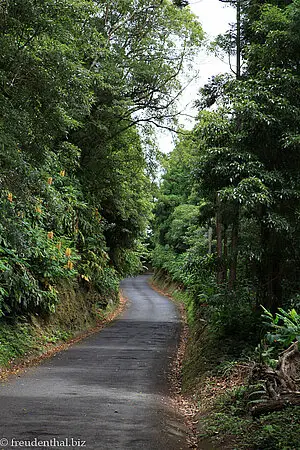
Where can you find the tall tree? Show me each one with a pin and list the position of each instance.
(76, 78)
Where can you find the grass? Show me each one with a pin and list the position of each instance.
(229, 425)
(16, 339)
(23, 338)
(26, 337)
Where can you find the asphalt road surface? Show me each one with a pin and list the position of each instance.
(108, 392)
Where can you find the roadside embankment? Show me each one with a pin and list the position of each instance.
(81, 311)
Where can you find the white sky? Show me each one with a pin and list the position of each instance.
(214, 17)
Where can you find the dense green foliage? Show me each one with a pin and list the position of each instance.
(227, 217)
(82, 83)
(226, 230)
(76, 79)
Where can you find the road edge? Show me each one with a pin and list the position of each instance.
(185, 404)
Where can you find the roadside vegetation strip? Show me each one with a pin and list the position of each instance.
(19, 365)
(185, 404)
(221, 390)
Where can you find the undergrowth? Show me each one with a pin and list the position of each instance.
(15, 340)
(229, 425)
(215, 374)
(31, 335)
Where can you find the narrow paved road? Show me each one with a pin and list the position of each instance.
(109, 390)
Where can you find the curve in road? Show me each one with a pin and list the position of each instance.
(108, 392)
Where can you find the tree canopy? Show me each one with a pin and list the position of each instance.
(76, 79)
(241, 169)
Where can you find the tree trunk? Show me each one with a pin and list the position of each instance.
(225, 254)
(276, 405)
(234, 252)
(210, 233)
(220, 270)
(281, 384)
